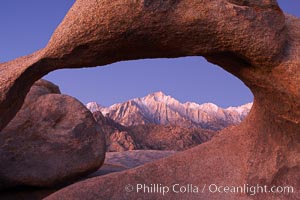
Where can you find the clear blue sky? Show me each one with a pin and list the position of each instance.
(26, 26)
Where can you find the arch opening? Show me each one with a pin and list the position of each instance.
(186, 79)
(150, 96)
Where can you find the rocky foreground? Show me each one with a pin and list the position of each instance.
(52, 140)
(252, 39)
(114, 162)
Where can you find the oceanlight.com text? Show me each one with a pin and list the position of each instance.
(211, 188)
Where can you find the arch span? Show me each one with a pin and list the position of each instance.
(253, 40)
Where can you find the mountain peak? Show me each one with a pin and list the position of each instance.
(158, 95)
(94, 106)
(159, 108)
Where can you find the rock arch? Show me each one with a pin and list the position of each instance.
(252, 39)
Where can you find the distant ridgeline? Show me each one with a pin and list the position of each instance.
(158, 108)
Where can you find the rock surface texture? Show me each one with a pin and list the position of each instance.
(114, 162)
(117, 138)
(252, 39)
(166, 137)
(150, 136)
(52, 140)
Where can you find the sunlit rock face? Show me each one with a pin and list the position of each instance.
(98, 33)
(158, 108)
(254, 40)
(121, 138)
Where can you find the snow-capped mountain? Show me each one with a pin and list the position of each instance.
(94, 107)
(158, 108)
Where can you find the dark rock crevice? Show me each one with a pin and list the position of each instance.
(255, 35)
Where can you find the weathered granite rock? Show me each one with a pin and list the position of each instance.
(117, 137)
(251, 39)
(168, 137)
(97, 33)
(52, 140)
(150, 136)
(114, 162)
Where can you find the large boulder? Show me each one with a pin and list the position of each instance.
(114, 162)
(53, 139)
(252, 39)
(97, 33)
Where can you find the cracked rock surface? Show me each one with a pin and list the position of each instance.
(252, 39)
(52, 140)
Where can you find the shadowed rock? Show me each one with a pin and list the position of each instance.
(95, 33)
(53, 139)
(149, 136)
(114, 162)
(251, 39)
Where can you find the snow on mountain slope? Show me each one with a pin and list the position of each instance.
(94, 107)
(158, 108)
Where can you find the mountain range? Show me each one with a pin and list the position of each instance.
(161, 109)
(149, 136)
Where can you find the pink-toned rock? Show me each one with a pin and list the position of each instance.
(117, 137)
(168, 137)
(53, 139)
(97, 33)
(237, 156)
(150, 136)
(251, 39)
(158, 108)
